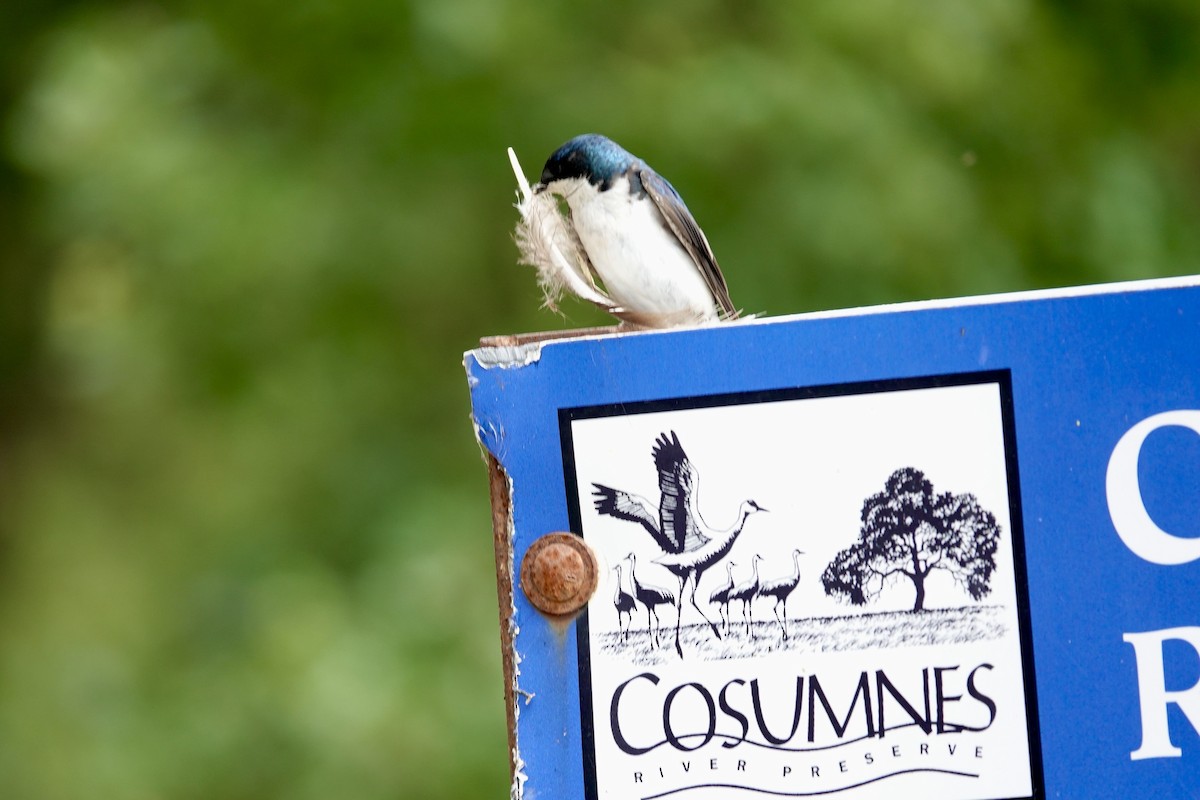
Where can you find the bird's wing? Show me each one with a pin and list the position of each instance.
(683, 225)
(676, 482)
(583, 259)
(623, 505)
(769, 587)
(744, 589)
(656, 592)
(721, 593)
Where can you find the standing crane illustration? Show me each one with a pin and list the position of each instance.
(745, 592)
(651, 597)
(624, 605)
(689, 546)
(780, 588)
(720, 595)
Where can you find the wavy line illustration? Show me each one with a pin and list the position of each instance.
(775, 793)
(765, 746)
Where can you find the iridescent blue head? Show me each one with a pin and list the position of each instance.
(595, 158)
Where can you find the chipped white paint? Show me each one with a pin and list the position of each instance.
(517, 790)
(508, 356)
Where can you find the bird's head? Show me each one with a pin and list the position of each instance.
(751, 507)
(590, 157)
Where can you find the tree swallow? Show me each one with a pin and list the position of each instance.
(637, 234)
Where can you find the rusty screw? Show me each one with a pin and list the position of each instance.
(559, 573)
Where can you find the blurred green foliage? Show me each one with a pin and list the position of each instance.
(244, 531)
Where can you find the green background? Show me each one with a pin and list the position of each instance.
(244, 532)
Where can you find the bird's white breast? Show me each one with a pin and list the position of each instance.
(643, 266)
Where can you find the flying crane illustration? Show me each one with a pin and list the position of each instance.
(689, 545)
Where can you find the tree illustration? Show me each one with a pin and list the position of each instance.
(907, 533)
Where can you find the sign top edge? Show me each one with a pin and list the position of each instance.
(489, 353)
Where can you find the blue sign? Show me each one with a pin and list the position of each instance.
(940, 549)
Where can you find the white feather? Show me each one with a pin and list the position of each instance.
(547, 241)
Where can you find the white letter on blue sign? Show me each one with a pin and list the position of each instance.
(1129, 517)
(1152, 691)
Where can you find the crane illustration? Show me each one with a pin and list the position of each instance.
(649, 596)
(624, 605)
(720, 595)
(781, 588)
(688, 544)
(745, 592)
